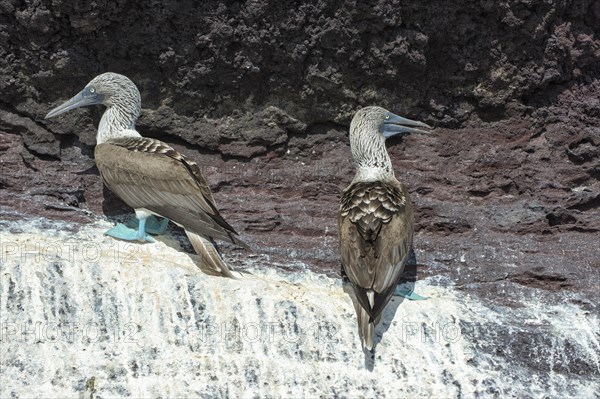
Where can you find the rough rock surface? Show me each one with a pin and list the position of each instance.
(506, 189)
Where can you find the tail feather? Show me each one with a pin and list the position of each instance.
(366, 327)
(210, 260)
(238, 242)
(363, 304)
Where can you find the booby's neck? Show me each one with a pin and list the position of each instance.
(370, 155)
(119, 121)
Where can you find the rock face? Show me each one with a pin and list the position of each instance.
(506, 189)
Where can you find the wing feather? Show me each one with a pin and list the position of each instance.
(376, 229)
(147, 173)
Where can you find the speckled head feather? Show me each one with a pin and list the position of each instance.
(121, 98)
(369, 129)
(123, 102)
(116, 90)
(367, 141)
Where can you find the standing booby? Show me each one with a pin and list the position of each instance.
(149, 175)
(375, 218)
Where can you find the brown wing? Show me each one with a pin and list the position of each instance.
(147, 173)
(375, 228)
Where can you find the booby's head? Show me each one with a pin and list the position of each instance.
(110, 89)
(369, 129)
(377, 119)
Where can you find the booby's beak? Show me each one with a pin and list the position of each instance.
(394, 124)
(82, 99)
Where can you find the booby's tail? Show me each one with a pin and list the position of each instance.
(210, 260)
(238, 242)
(364, 302)
(366, 328)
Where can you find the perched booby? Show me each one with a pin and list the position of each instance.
(375, 218)
(149, 175)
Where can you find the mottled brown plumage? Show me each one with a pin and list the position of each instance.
(147, 173)
(375, 219)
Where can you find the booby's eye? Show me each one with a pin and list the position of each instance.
(387, 116)
(92, 90)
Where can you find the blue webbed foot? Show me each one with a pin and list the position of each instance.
(123, 232)
(408, 294)
(153, 226)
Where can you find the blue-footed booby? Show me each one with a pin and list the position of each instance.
(375, 218)
(149, 175)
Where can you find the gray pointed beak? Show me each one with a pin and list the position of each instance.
(82, 99)
(395, 124)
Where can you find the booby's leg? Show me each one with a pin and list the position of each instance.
(132, 234)
(153, 226)
(123, 232)
(141, 234)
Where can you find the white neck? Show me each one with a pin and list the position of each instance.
(116, 123)
(372, 173)
(370, 155)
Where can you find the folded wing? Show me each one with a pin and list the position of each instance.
(147, 173)
(375, 222)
